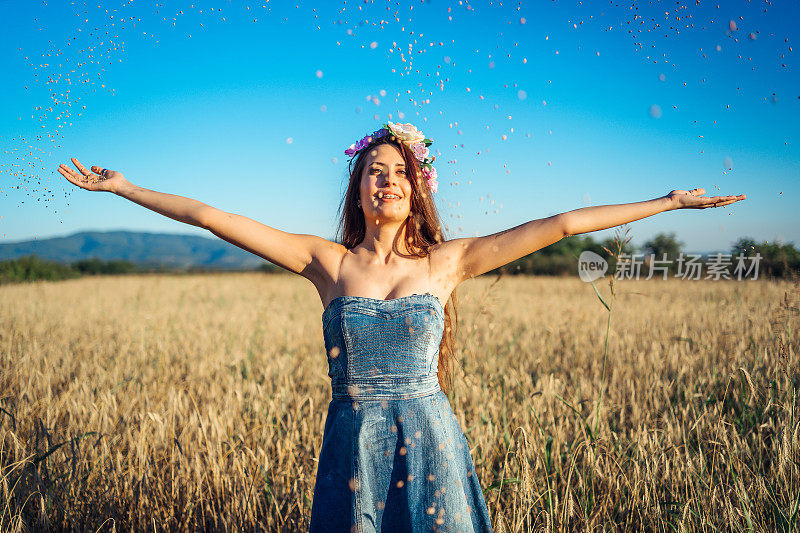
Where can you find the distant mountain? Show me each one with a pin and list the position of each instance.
(145, 249)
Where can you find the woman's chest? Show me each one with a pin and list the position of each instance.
(384, 282)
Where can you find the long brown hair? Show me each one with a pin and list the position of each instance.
(423, 230)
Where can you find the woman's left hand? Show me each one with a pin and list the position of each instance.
(694, 199)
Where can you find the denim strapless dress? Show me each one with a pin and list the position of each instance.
(393, 456)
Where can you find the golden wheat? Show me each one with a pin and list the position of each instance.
(198, 402)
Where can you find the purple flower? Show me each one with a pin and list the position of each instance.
(363, 143)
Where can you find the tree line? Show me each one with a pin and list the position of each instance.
(34, 268)
(777, 260)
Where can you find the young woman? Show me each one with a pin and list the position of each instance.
(393, 457)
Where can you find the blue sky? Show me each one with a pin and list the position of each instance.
(252, 113)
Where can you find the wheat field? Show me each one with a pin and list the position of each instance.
(197, 402)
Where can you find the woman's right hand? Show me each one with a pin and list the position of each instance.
(102, 180)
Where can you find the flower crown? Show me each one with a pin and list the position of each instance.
(411, 137)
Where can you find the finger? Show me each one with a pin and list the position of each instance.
(727, 198)
(71, 172)
(98, 170)
(698, 192)
(720, 201)
(72, 179)
(65, 174)
(80, 167)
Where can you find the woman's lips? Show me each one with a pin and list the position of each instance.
(382, 198)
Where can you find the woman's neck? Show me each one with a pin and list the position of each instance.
(385, 240)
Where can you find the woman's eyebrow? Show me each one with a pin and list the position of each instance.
(401, 164)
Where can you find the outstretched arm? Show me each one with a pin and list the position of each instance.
(476, 255)
(600, 217)
(300, 254)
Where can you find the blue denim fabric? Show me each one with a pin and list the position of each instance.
(393, 457)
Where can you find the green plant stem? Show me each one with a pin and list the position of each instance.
(608, 306)
(603, 377)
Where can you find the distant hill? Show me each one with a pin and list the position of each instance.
(145, 249)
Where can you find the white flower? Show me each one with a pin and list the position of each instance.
(407, 133)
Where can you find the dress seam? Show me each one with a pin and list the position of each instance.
(356, 485)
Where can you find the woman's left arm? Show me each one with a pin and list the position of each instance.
(476, 255)
(600, 217)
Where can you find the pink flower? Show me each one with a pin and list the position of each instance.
(431, 175)
(421, 151)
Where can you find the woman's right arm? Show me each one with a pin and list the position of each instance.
(306, 255)
(175, 207)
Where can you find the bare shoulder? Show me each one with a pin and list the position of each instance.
(448, 250)
(446, 260)
(327, 257)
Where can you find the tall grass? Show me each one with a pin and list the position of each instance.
(198, 402)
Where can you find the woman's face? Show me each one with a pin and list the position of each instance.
(385, 188)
